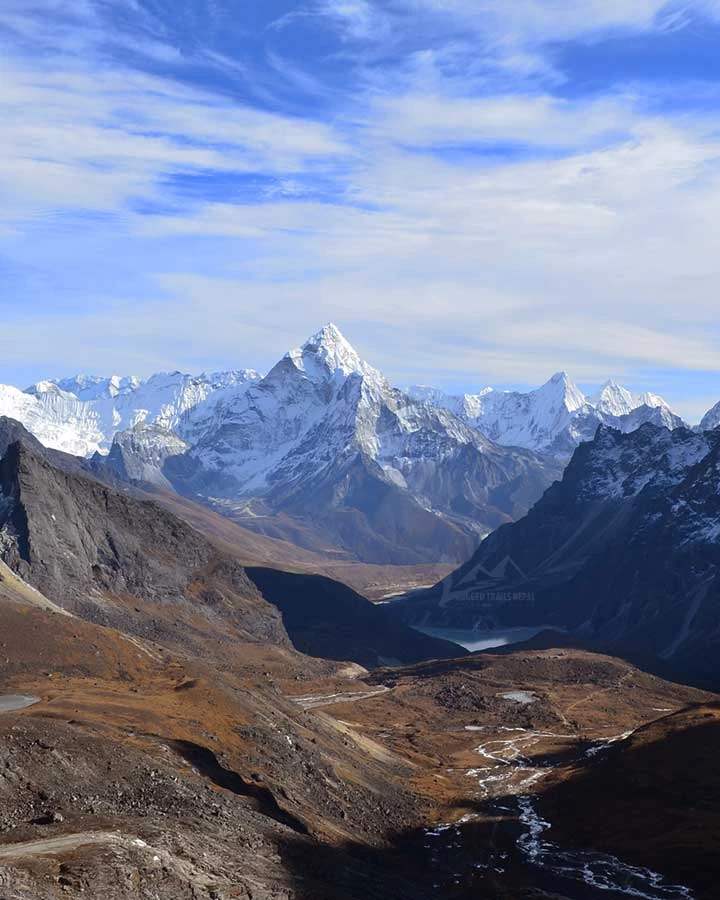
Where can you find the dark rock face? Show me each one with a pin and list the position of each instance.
(119, 561)
(354, 507)
(329, 620)
(12, 431)
(625, 552)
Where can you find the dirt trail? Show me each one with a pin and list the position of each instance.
(65, 842)
(592, 696)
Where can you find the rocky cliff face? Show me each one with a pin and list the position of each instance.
(625, 551)
(119, 561)
(141, 453)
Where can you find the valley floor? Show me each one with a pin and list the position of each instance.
(140, 775)
(503, 771)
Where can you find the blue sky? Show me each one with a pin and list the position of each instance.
(477, 191)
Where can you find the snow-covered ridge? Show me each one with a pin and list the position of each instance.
(553, 418)
(622, 465)
(81, 415)
(711, 419)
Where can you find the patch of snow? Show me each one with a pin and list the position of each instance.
(525, 698)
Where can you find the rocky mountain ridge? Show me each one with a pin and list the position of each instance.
(623, 552)
(124, 561)
(120, 561)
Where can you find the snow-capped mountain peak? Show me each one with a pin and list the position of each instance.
(81, 414)
(614, 400)
(325, 435)
(651, 400)
(711, 419)
(329, 353)
(560, 391)
(48, 387)
(93, 387)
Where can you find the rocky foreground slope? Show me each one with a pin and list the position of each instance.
(140, 773)
(123, 562)
(162, 738)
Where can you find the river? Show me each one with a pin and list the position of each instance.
(520, 845)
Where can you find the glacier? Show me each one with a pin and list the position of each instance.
(81, 415)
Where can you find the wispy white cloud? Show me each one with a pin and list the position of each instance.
(356, 20)
(359, 19)
(576, 260)
(573, 253)
(519, 22)
(100, 139)
(431, 119)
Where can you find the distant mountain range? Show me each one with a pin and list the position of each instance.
(81, 415)
(324, 453)
(556, 417)
(623, 553)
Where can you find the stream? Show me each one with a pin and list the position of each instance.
(519, 845)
